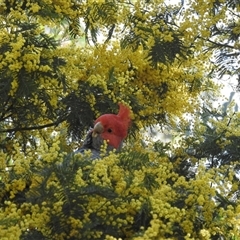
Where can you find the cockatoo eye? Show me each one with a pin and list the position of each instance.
(109, 130)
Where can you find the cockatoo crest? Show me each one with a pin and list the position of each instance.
(113, 127)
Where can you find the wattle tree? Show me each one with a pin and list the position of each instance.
(65, 66)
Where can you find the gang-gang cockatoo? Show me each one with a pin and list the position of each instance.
(110, 127)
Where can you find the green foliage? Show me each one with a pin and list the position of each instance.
(131, 195)
(153, 58)
(220, 134)
(148, 34)
(19, 106)
(77, 105)
(213, 136)
(224, 38)
(100, 13)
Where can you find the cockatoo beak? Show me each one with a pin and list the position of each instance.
(98, 129)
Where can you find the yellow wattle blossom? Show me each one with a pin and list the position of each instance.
(141, 192)
(35, 7)
(14, 87)
(205, 234)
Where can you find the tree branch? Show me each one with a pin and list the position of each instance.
(218, 44)
(15, 129)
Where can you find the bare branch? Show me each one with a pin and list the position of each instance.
(37, 127)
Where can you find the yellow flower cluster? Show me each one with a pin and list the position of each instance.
(31, 61)
(137, 194)
(121, 74)
(35, 7)
(50, 151)
(15, 187)
(107, 69)
(11, 232)
(65, 7)
(135, 185)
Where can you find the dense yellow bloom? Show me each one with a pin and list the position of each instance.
(139, 193)
(120, 211)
